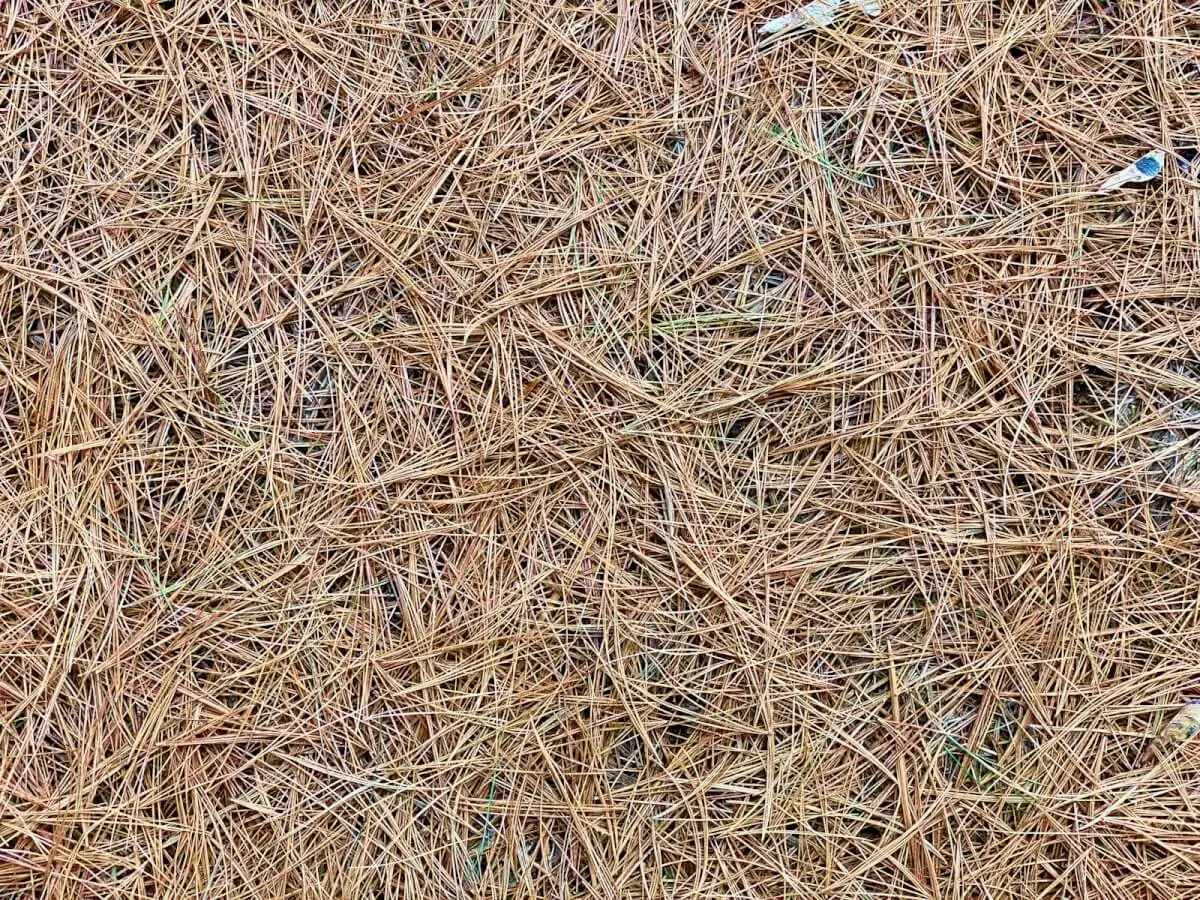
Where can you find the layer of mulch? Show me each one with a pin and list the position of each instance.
(542, 449)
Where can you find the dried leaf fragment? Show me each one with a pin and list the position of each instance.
(1142, 169)
(819, 14)
(1185, 724)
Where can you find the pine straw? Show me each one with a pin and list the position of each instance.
(548, 450)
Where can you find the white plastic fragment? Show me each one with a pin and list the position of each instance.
(1186, 723)
(1142, 169)
(819, 14)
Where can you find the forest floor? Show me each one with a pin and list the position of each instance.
(540, 449)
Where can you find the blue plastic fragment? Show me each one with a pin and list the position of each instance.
(1148, 165)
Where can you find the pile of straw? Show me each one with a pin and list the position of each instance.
(539, 449)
